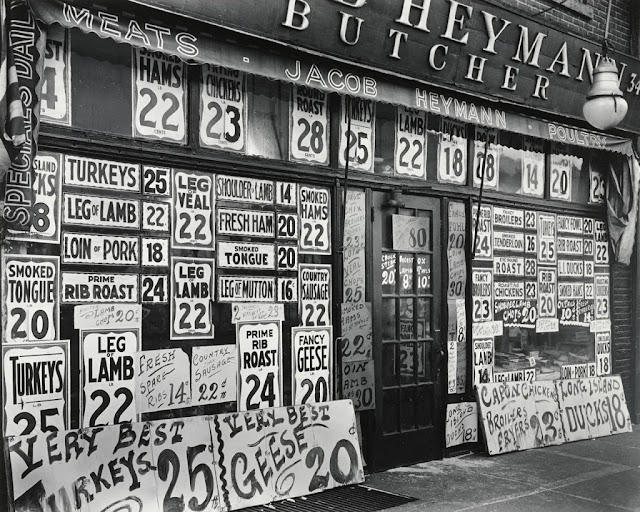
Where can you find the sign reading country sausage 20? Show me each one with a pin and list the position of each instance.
(192, 294)
(103, 212)
(30, 291)
(193, 207)
(312, 361)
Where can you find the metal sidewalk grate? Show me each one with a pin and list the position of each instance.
(355, 498)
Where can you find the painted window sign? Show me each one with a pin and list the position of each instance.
(214, 370)
(246, 190)
(314, 208)
(30, 292)
(452, 152)
(47, 190)
(100, 249)
(486, 170)
(246, 289)
(159, 94)
(358, 145)
(259, 373)
(411, 234)
(103, 174)
(411, 143)
(309, 125)
(533, 174)
(108, 368)
(193, 210)
(104, 212)
(80, 287)
(223, 112)
(315, 295)
(55, 97)
(312, 364)
(192, 282)
(36, 387)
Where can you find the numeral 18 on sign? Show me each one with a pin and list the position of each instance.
(452, 152)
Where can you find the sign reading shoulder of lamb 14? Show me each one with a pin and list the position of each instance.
(312, 360)
(36, 387)
(192, 281)
(30, 304)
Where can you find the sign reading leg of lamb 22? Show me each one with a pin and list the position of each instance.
(312, 360)
(36, 387)
(315, 220)
(30, 291)
(193, 210)
(192, 282)
(260, 358)
(223, 462)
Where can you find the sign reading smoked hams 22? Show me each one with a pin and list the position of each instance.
(315, 219)
(30, 291)
(193, 210)
(192, 281)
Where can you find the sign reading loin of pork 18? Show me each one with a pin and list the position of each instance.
(36, 387)
(192, 282)
(47, 198)
(411, 143)
(159, 93)
(109, 370)
(314, 208)
(163, 380)
(357, 146)
(94, 249)
(309, 125)
(312, 361)
(30, 291)
(259, 375)
(315, 295)
(193, 210)
(222, 108)
(214, 374)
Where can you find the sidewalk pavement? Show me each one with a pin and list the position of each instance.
(594, 475)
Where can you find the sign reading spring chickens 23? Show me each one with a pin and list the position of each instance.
(259, 358)
(36, 387)
(109, 376)
(222, 108)
(192, 285)
(55, 97)
(30, 291)
(309, 125)
(314, 208)
(411, 143)
(193, 210)
(45, 218)
(357, 133)
(312, 361)
(159, 93)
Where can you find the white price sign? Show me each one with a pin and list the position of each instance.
(192, 282)
(103, 212)
(411, 143)
(484, 232)
(85, 172)
(603, 353)
(357, 145)
(246, 289)
(30, 292)
(214, 370)
(244, 190)
(482, 292)
(452, 152)
(156, 216)
(309, 125)
(547, 250)
(159, 93)
(55, 98)
(287, 289)
(156, 181)
(246, 255)
(222, 108)
(193, 211)
(489, 168)
(163, 380)
(81, 287)
(312, 362)
(314, 208)
(100, 249)
(596, 186)
(560, 177)
(259, 358)
(154, 288)
(286, 194)
(602, 243)
(547, 293)
(315, 295)
(532, 169)
(155, 252)
(601, 285)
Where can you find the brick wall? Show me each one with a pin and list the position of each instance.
(622, 296)
(586, 18)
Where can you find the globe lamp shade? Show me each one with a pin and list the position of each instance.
(605, 107)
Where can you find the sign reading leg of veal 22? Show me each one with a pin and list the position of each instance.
(222, 462)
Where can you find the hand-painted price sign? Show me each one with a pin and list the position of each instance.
(106, 316)
(452, 152)
(192, 282)
(488, 172)
(532, 169)
(482, 292)
(411, 234)
(358, 384)
(163, 380)
(483, 358)
(357, 333)
(314, 208)
(214, 371)
(193, 211)
(36, 387)
(154, 288)
(570, 224)
(155, 252)
(156, 181)
(246, 223)
(411, 143)
(601, 243)
(108, 369)
(286, 194)
(246, 289)
(103, 212)
(159, 92)
(156, 216)
(596, 186)
(603, 353)
(259, 356)
(357, 145)
(47, 198)
(312, 361)
(81, 287)
(547, 251)
(246, 190)
(100, 249)
(30, 294)
(287, 289)
(246, 255)
(560, 177)
(461, 424)
(88, 172)
(601, 286)
(55, 98)
(484, 237)
(222, 108)
(315, 295)
(309, 125)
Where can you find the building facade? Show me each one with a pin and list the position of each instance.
(189, 196)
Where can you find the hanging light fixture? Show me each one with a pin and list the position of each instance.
(605, 107)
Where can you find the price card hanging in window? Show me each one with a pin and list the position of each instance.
(547, 300)
(55, 98)
(561, 170)
(601, 237)
(315, 295)
(359, 146)
(314, 208)
(603, 353)
(193, 211)
(222, 108)
(482, 292)
(452, 151)
(309, 126)
(601, 287)
(491, 167)
(484, 237)
(547, 252)
(411, 143)
(533, 169)
(159, 96)
(596, 184)
(312, 363)
(192, 281)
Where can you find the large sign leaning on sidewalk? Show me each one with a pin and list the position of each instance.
(214, 463)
